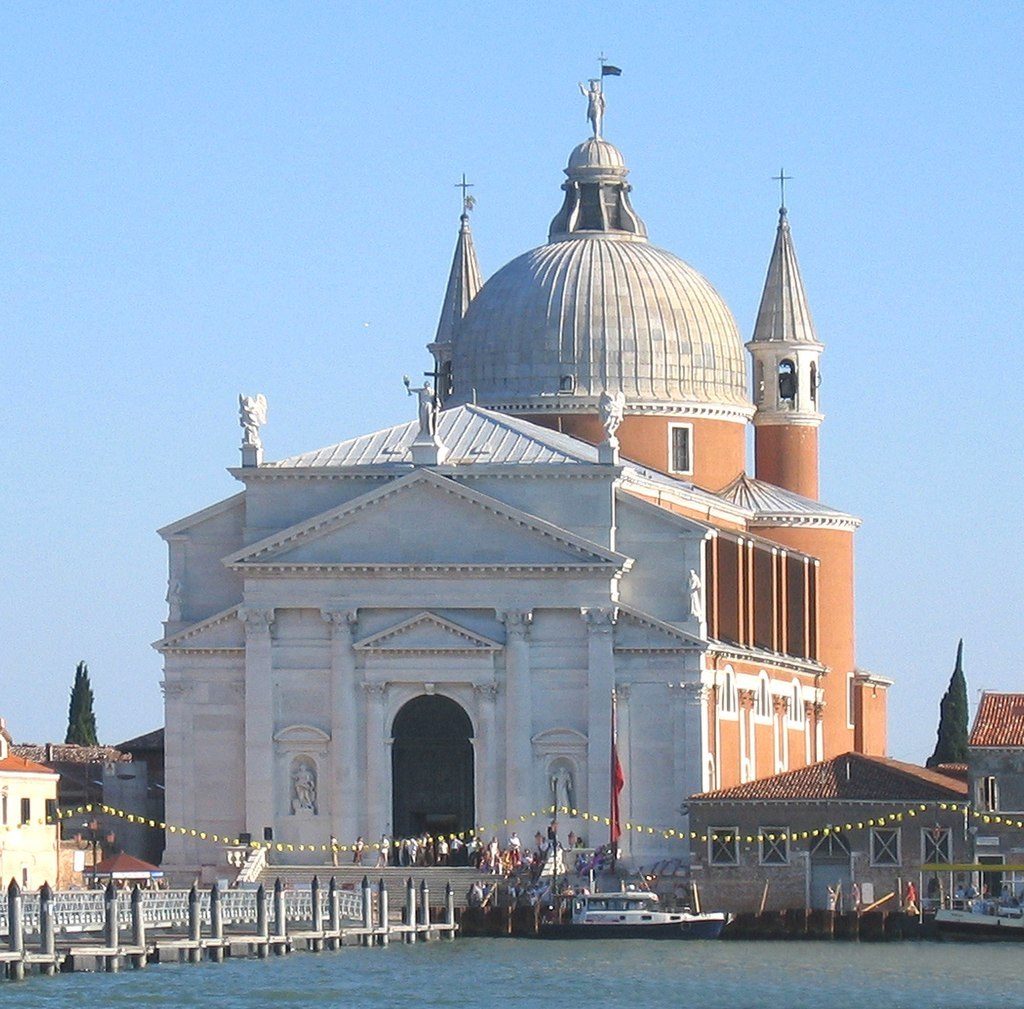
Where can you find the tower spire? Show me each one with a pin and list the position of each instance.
(786, 355)
(463, 284)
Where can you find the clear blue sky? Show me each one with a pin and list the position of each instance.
(199, 199)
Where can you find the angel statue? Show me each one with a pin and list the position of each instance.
(252, 415)
(611, 409)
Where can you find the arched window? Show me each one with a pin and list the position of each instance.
(815, 382)
(759, 383)
(796, 704)
(763, 700)
(727, 698)
(787, 382)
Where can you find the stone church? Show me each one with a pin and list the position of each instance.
(422, 628)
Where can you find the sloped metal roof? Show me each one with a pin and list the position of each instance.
(471, 434)
(766, 500)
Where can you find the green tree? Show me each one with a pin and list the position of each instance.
(81, 720)
(951, 745)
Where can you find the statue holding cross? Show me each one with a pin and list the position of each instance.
(595, 104)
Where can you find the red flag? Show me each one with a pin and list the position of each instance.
(618, 780)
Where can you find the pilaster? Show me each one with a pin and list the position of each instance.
(487, 801)
(259, 721)
(377, 743)
(518, 712)
(344, 791)
(600, 623)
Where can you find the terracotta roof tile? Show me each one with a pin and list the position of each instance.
(999, 720)
(851, 776)
(19, 764)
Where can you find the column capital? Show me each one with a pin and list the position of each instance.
(780, 704)
(746, 699)
(340, 619)
(600, 619)
(517, 622)
(256, 620)
(810, 708)
(486, 691)
(376, 691)
(175, 688)
(622, 691)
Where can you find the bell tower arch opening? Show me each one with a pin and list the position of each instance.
(432, 767)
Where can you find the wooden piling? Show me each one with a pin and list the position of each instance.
(333, 914)
(262, 923)
(216, 924)
(316, 943)
(410, 910)
(111, 928)
(280, 917)
(47, 932)
(138, 959)
(16, 930)
(367, 913)
(382, 913)
(449, 909)
(195, 926)
(424, 904)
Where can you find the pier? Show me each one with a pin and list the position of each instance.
(52, 932)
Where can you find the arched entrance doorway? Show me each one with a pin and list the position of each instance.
(431, 768)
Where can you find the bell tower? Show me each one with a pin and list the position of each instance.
(786, 354)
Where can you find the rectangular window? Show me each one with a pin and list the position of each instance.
(51, 810)
(723, 846)
(26, 810)
(850, 700)
(885, 846)
(937, 846)
(774, 846)
(988, 793)
(680, 460)
(3, 808)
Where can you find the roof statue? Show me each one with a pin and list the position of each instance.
(427, 408)
(611, 407)
(594, 95)
(252, 415)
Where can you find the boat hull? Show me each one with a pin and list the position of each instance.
(705, 929)
(965, 925)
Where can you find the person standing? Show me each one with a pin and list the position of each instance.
(384, 854)
(334, 851)
(357, 851)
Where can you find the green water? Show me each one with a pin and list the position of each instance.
(478, 973)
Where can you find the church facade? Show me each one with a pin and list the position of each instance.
(422, 628)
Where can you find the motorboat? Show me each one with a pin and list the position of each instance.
(981, 918)
(632, 914)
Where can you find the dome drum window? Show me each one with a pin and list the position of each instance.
(787, 383)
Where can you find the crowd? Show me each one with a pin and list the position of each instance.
(487, 856)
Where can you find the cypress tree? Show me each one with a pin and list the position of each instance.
(81, 720)
(951, 745)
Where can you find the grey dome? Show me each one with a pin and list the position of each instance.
(596, 312)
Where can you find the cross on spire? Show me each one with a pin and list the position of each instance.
(468, 201)
(782, 178)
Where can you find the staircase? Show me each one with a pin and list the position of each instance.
(350, 877)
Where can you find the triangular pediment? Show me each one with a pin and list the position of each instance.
(427, 632)
(636, 631)
(222, 631)
(424, 520)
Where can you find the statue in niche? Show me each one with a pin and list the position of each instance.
(303, 789)
(563, 791)
(610, 408)
(252, 415)
(696, 597)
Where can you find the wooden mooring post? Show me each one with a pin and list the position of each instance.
(47, 931)
(382, 913)
(216, 924)
(16, 931)
(111, 929)
(333, 915)
(367, 912)
(410, 910)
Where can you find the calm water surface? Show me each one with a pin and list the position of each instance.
(488, 973)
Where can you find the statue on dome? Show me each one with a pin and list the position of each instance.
(427, 408)
(595, 104)
(252, 415)
(610, 408)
